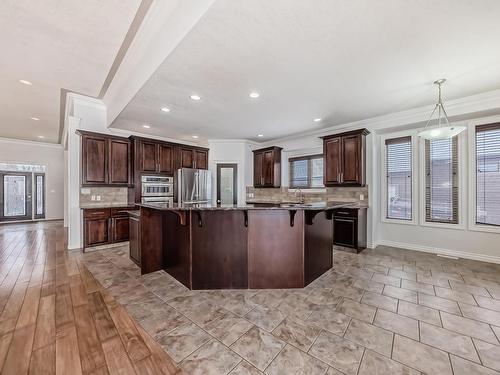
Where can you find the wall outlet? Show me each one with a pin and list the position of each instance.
(250, 195)
(92, 198)
(98, 197)
(361, 197)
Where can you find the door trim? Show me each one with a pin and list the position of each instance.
(235, 180)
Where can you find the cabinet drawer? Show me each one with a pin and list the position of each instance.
(120, 211)
(346, 212)
(96, 213)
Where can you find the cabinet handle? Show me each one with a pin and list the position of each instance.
(338, 177)
(342, 177)
(343, 213)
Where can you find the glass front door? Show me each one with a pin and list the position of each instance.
(227, 187)
(16, 196)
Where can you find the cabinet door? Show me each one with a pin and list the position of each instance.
(351, 149)
(257, 169)
(165, 159)
(201, 158)
(119, 162)
(148, 156)
(345, 232)
(120, 227)
(96, 232)
(268, 168)
(332, 161)
(186, 158)
(134, 244)
(94, 160)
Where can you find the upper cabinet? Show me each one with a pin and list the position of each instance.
(153, 156)
(344, 158)
(190, 157)
(157, 157)
(106, 160)
(267, 167)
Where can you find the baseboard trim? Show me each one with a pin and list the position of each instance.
(444, 252)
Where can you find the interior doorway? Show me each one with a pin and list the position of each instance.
(22, 192)
(227, 186)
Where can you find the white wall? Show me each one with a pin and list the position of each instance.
(50, 155)
(236, 152)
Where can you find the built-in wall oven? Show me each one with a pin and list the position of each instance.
(157, 189)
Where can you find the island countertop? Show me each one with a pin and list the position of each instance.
(318, 206)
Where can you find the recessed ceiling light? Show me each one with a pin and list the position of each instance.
(195, 136)
(195, 97)
(146, 126)
(317, 119)
(254, 95)
(165, 109)
(41, 136)
(260, 135)
(24, 82)
(35, 118)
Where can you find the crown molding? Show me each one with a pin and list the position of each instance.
(469, 105)
(30, 143)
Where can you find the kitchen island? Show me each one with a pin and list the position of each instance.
(238, 246)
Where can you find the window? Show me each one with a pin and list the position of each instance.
(399, 178)
(488, 174)
(306, 172)
(441, 181)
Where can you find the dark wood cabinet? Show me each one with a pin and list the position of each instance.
(94, 160)
(120, 168)
(349, 228)
(165, 159)
(105, 160)
(267, 167)
(157, 157)
(148, 156)
(134, 238)
(193, 158)
(344, 158)
(201, 159)
(103, 226)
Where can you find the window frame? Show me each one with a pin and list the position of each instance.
(308, 157)
(414, 178)
(472, 225)
(462, 184)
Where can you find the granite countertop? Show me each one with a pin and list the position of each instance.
(106, 205)
(319, 206)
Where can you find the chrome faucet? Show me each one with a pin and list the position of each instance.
(300, 195)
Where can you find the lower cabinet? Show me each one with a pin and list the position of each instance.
(103, 226)
(135, 239)
(349, 228)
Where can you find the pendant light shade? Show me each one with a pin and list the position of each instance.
(443, 130)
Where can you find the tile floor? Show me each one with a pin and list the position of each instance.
(384, 311)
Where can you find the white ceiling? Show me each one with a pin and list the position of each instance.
(339, 60)
(56, 45)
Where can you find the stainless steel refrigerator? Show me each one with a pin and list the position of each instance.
(194, 186)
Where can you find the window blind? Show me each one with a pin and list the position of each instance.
(306, 171)
(399, 178)
(488, 174)
(441, 182)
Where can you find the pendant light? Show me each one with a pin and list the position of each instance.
(444, 129)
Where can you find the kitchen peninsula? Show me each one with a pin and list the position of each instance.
(237, 247)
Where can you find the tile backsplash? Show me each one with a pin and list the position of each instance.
(284, 194)
(104, 195)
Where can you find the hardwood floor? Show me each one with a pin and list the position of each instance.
(57, 319)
